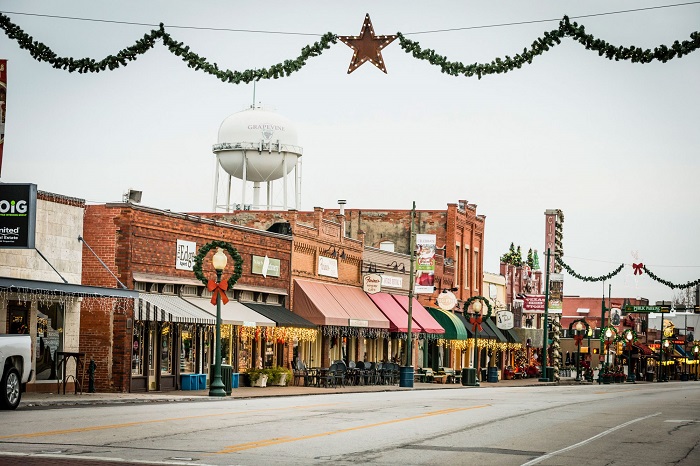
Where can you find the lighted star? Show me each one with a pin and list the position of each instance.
(367, 46)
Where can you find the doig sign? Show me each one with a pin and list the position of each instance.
(17, 215)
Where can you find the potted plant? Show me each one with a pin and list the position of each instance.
(279, 376)
(258, 377)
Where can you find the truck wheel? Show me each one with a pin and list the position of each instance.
(10, 390)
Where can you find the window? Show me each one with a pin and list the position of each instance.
(476, 270)
(49, 339)
(466, 268)
(137, 349)
(169, 289)
(387, 246)
(189, 290)
(166, 362)
(140, 286)
(457, 270)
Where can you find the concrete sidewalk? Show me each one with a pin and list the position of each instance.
(45, 400)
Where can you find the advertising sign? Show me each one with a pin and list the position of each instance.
(372, 283)
(185, 252)
(17, 215)
(425, 264)
(533, 303)
(392, 282)
(265, 266)
(556, 293)
(504, 320)
(447, 300)
(327, 266)
(3, 101)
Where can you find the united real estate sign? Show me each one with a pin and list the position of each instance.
(17, 215)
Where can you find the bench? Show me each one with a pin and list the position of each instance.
(452, 375)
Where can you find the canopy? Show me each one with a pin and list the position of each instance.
(419, 314)
(233, 313)
(454, 328)
(397, 315)
(495, 330)
(169, 308)
(282, 316)
(20, 285)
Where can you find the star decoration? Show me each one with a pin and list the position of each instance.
(367, 46)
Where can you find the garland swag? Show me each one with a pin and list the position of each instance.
(670, 284)
(42, 52)
(571, 272)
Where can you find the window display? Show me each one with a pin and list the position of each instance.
(49, 340)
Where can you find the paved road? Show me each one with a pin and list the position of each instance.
(622, 424)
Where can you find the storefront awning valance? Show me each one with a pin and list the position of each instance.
(398, 317)
(19, 285)
(498, 334)
(420, 314)
(644, 349)
(282, 316)
(512, 336)
(336, 305)
(454, 328)
(169, 308)
(233, 313)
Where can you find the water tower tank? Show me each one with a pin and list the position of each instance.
(262, 138)
(258, 145)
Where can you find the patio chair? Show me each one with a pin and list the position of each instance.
(301, 373)
(327, 378)
(339, 374)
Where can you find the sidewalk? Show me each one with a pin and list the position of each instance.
(44, 400)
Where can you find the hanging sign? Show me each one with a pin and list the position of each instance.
(372, 283)
(504, 320)
(327, 267)
(556, 293)
(3, 102)
(533, 303)
(265, 266)
(425, 264)
(186, 250)
(447, 300)
(392, 282)
(17, 215)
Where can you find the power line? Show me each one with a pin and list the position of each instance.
(259, 31)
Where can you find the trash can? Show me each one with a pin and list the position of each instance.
(189, 381)
(550, 373)
(235, 376)
(226, 376)
(492, 374)
(406, 376)
(469, 377)
(650, 376)
(202, 384)
(484, 374)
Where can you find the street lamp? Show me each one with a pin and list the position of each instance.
(696, 350)
(608, 336)
(579, 326)
(217, 387)
(662, 369)
(476, 323)
(630, 337)
(589, 333)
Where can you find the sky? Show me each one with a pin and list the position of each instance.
(614, 145)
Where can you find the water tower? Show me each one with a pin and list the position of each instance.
(258, 146)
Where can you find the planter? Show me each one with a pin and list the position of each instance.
(261, 382)
(440, 378)
(607, 379)
(282, 381)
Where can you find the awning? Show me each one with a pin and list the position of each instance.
(486, 333)
(454, 328)
(233, 313)
(419, 314)
(496, 331)
(338, 305)
(169, 308)
(48, 289)
(678, 350)
(397, 315)
(644, 349)
(282, 316)
(167, 279)
(511, 336)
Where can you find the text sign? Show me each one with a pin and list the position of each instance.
(17, 215)
(327, 267)
(186, 250)
(504, 320)
(265, 266)
(372, 283)
(358, 323)
(641, 309)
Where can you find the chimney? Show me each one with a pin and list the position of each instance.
(341, 217)
(318, 219)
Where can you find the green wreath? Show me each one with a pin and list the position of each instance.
(204, 250)
(621, 337)
(571, 325)
(469, 301)
(602, 333)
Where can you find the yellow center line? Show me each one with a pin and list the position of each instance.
(280, 440)
(139, 423)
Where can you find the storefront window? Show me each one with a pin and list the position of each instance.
(49, 340)
(166, 349)
(244, 353)
(137, 347)
(187, 350)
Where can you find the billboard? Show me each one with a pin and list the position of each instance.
(3, 101)
(425, 264)
(17, 215)
(556, 293)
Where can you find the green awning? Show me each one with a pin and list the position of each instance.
(454, 328)
(496, 331)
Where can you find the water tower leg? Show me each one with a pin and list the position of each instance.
(284, 171)
(297, 184)
(244, 177)
(216, 183)
(256, 194)
(228, 194)
(269, 195)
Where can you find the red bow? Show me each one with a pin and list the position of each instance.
(638, 268)
(607, 344)
(476, 322)
(219, 289)
(578, 339)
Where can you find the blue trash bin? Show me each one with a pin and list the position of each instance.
(202, 385)
(235, 379)
(189, 382)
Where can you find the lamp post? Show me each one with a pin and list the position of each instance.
(608, 336)
(545, 323)
(662, 369)
(476, 307)
(406, 372)
(696, 350)
(579, 328)
(629, 336)
(589, 333)
(216, 387)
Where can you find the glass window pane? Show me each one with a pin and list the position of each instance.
(49, 340)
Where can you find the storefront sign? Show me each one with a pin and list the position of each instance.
(504, 320)
(186, 250)
(17, 215)
(265, 266)
(425, 264)
(372, 283)
(392, 282)
(447, 300)
(556, 293)
(533, 303)
(3, 103)
(358, 323)
(327, 267)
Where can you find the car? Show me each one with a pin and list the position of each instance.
(15, 368)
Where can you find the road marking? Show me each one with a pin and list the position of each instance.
(153, 421)
(616, 391)
(280, 440)
(580, 444)
(681, 420)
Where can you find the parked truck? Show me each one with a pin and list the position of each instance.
(15, 368)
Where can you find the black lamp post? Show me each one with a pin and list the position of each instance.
(217, 387)
(476, 322)
(662, 370)
(608, 336)
(696, 350)
(579, 326)
(629, 337)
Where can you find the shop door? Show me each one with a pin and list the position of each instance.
(152, 356)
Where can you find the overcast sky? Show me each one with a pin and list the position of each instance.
(613, 144)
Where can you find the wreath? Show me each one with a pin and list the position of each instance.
(571, 325)
(204, 250)
(602, 333)
(469, 301)
(623, 336)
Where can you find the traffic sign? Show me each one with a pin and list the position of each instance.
(642, 309)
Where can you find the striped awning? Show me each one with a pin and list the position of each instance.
(169, 308)
(454, 328)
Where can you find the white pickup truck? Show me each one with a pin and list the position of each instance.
(15, 368)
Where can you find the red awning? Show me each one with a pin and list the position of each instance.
(397, 315)
(644, 349)
(420, 315)
(339, 305)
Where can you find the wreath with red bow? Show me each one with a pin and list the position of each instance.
(476, 321)
(578, 337)
(220, 288)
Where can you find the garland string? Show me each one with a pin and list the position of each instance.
(550, 39)
(670, 284)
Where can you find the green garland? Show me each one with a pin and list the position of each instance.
(469, 301)
(571, 325)
(621, 337)
(571, 272)
(602, 333)
(543, 44)
(41, 52)
(204, 250)
(669, 284)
